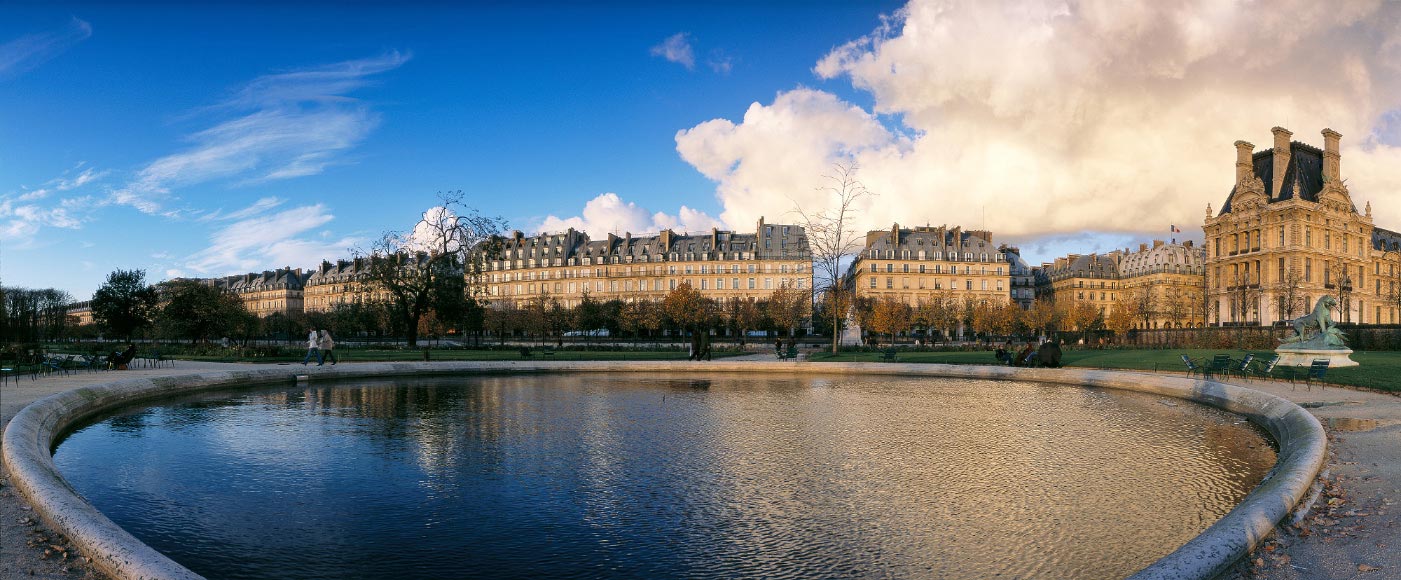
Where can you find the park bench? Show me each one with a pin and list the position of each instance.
(525, 352)
(548, 351)
(888, 355)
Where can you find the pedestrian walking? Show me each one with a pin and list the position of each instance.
(313, 347)
(328, 347)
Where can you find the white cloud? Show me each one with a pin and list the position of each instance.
(22, 216)
(609, 214)
(31, 50)
(1057, 117)
(720, 62)
(264, 241)
(677, 48)
(287, 125)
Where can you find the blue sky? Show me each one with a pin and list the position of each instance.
(204, 141)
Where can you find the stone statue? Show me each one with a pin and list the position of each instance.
(1316, 329)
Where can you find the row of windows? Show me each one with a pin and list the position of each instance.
(1251, 241)
(937, 269)
(937, 255)
(935, 284)
(673, 270)
(657, 285)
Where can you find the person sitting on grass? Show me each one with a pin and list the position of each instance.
(1027, 357)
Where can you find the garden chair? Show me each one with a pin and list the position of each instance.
(1317, 370)
(1242, 368)
(1220, 364)
(1265, 370)
(1194, 367)
(888, 355)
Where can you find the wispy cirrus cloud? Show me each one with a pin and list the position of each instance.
(23, 54)
(284, 125)
(256, 237)
(25, 212)
(677, 48)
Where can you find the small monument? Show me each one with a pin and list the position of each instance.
(1316, 337)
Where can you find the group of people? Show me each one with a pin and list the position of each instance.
(320, 345)
(1047, 355)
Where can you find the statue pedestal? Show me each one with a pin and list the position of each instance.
(1302, 357)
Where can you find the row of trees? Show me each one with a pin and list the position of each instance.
(948, 315)
(32, 316)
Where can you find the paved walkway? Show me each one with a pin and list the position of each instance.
(1353, 531)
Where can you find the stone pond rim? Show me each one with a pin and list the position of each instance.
(34, 431)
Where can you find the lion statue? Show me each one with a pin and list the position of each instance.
(1319, 322)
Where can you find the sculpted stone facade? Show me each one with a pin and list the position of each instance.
(1289, 232)
(722, 265)
(925, 263)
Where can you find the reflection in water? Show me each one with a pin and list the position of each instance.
(625, 476)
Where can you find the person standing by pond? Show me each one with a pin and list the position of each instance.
(313, 347)
(328, 348)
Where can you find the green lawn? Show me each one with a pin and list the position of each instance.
(1379, 370)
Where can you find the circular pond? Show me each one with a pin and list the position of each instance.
(633, 476)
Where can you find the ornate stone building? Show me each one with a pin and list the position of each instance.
(275, 291)
(1163, 282)
(925, 263)
(722, 265)
(340, 283)
(1088, 278)
(1166, 283)
(1289, 233)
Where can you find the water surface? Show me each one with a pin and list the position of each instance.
(629, 476)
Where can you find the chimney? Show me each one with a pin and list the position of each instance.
(1244, 166)
(1143, 247)
(894, 234)
(1281, 151)
(666, 238)
(1157, 244)
(1332, 160)
(1187, 243)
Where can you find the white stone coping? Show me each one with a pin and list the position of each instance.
(31, 435)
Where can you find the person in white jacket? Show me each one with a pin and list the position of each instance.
(313, 347)
(328, 347)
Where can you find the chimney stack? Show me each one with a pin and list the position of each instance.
(1244, 166)
(1332, 160)
(1281, 151)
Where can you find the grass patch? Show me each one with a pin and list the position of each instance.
(1379, 370)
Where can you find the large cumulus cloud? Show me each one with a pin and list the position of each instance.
(1055, 117)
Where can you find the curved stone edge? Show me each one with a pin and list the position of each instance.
(31, 435)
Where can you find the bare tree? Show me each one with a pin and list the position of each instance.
(833, 238)
(1289, 295)
(444, 248)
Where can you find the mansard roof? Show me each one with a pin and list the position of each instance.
(1305, 170)
(1386, 240)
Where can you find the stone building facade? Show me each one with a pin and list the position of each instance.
(343, 282)
(1166, 283)
(1163, 281)
(269, 292)
(722, 265)
(1289, 233)
(925, 263)
(1088, 278)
